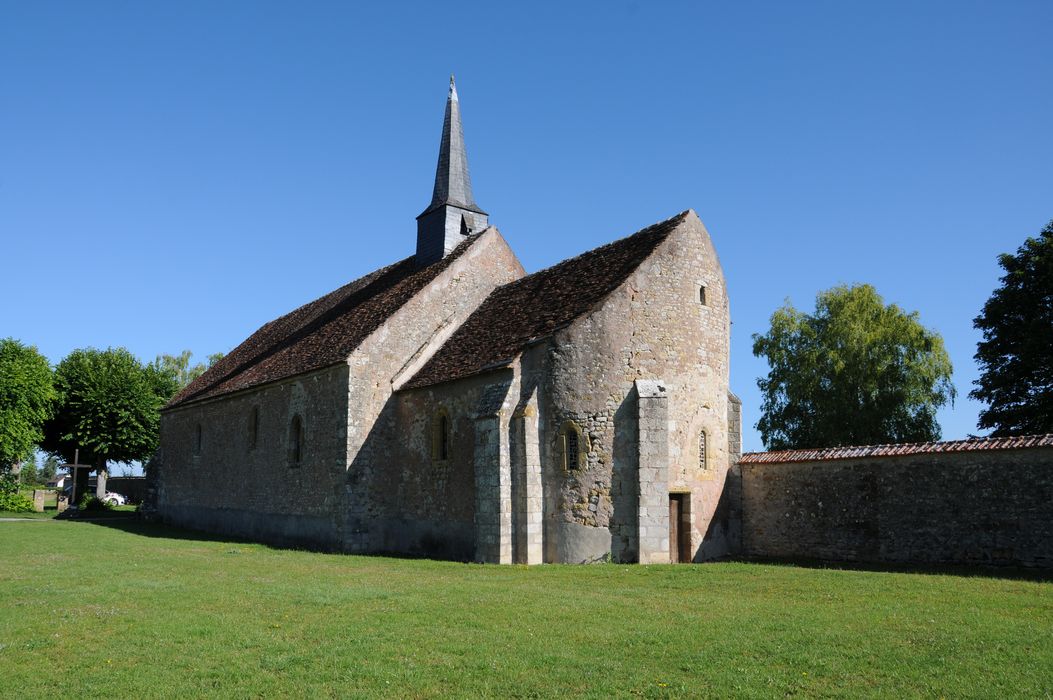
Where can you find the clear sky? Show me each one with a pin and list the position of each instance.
(175, 174)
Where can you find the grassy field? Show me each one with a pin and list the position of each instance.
(131, 610)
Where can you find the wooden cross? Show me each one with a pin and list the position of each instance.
(73, 471)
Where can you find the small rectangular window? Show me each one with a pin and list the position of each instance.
(702, 295)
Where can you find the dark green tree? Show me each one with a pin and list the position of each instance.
(1016, 353)
(108, 407)
(854, 372)
(26, 398)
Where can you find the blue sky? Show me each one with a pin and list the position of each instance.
(175, 174)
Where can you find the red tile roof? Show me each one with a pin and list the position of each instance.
(914, 448)
(319, 334)
(535, 306)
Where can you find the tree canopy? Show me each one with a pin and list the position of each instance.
(108, 406)
(180, 369)
(1016, 353)
(26, 396)
(854, 372)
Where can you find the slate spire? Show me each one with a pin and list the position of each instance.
(453, 213)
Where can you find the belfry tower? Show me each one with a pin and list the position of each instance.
(453, 213)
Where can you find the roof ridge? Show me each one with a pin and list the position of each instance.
(672, 220)
(300, 331)
(271, 340)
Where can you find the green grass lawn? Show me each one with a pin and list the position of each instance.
(125, 609)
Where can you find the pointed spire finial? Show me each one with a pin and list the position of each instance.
(453, 212)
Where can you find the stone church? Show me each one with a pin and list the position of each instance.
(450, 405)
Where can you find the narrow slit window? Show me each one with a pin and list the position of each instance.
(440, 436)
(702, 449)
(702, 295)
(572, 447)
(197, 440)
(444, 437)
(254, 427)
(296, 441)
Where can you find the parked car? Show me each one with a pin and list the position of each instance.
(114, 499)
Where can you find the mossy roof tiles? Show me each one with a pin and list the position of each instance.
(318, 334)
(533, 307)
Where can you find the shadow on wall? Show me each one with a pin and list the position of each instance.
(399, 500)
(723, 533)
(625, 483)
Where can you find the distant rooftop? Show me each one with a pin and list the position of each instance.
(912, 448)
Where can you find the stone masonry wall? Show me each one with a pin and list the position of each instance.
(350, 491)
(977, 507)
(239, 485)
(653, 327)
(383, 496)
(430, 506)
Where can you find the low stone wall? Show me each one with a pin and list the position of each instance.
(133, 488)
(967, 507)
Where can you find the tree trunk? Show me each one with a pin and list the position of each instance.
(80, 485)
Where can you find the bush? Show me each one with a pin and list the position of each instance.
(15, 502)
(90, 502)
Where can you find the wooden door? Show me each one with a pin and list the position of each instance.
(679, 528)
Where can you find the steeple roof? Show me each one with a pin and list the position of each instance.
(453, 184)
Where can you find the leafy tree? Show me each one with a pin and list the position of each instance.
(108, 407)
(180, 369)
(1016, 353)
(26, 396)
(29, 475)
(855, 372)
(49, 468)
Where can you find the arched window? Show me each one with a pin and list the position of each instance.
(440, 436)
(296, 440)
(574, 447)
(254, 427)
(702, 449)
(197, 440)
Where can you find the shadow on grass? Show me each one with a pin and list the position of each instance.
(1002, 571)
(138, 526)
(148, 528)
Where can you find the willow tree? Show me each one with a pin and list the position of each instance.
(854, 372)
